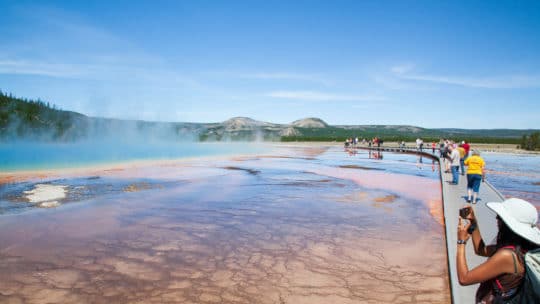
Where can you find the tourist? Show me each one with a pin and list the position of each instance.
(446, 156)
(454, 164)
(441, 147)
(433, 146)
(501, 276)
(461, 159)
(467, 148)
(475, 175)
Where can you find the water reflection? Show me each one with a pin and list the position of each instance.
(419, 162)
(375, 154)
(285, 229)
(515, 175)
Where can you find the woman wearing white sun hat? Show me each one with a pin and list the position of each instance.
(502, 273)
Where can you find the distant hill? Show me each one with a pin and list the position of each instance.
(310, 123)
(38, 120)
(397, 128)
(242, 123)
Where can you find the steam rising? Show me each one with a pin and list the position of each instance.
(80, 128)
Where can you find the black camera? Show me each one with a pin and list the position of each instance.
(464, 212)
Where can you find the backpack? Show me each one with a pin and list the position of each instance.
(530, 291)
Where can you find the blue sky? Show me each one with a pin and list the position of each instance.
(463, 64)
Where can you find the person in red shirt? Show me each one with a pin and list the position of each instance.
(465, 145)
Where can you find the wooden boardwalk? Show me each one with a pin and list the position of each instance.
(454, 198)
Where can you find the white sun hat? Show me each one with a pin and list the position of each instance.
(520, 216)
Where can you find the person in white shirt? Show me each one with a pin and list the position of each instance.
(454, 163)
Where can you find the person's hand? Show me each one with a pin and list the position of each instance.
(471, 217)
(462, 233)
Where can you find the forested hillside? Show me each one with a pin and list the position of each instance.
(23, 119)
(37, 120)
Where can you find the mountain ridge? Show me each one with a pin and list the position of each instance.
(27, 119)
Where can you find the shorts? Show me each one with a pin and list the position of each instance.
(473, 182)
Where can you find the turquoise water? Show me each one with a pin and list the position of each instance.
(31, 156)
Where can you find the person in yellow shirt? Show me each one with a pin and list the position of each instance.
(461, 151)
(475, 175)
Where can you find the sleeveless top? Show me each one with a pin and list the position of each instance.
(505, 286)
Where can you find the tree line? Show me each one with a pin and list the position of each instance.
(530, 142)
(26, 118)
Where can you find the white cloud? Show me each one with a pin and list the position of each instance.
(394, 83)
(26, 67)
(401, 69)
(363, 106)
(320, 96)
(288, 76)
(110, 72)
(405, 72)
(499, 82)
